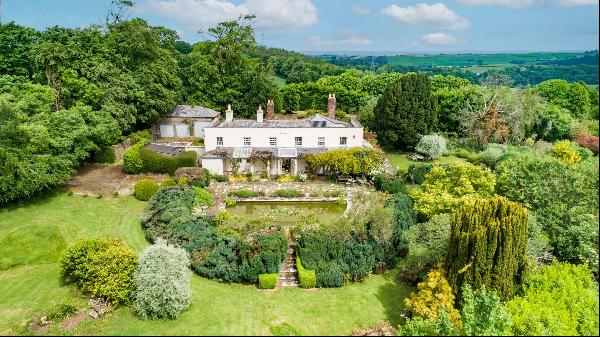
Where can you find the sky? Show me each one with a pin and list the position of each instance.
(376, 26)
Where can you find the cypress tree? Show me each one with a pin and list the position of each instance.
(488, 246)
(405, 111)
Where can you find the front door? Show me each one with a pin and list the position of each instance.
(286, 165)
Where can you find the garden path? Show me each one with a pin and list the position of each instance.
(288, 273)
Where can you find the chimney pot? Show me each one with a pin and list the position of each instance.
(229, 113)
(270, 109)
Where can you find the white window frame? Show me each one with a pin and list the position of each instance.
(219, 141)
(343, 141)
(273, 141)
(298, 141)
(247, 141)
(321, 141)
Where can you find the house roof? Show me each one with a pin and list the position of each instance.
(166, 149)
(194, 111)
(249, 152)
(315, 121)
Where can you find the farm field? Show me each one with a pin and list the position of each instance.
(32, 288)
(468, 60)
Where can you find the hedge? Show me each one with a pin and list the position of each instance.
(105, 155)
(267, 281)
(132, 160)
(145, 189)
(287, 193)
(158, 163)
(307, 278)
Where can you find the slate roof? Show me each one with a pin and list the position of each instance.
(315, 121)
(166, 149)
(194, 111)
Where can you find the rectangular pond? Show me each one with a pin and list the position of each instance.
(287, 212)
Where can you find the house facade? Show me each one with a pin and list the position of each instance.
(276, 146)
(186, 122)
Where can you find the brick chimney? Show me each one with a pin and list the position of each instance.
(259, 114)
(270, 109)
(229, 113)
(331, 102)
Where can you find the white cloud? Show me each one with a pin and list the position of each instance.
(576, 2)
(361, 10)
(440, 39)
(437, 15)
(270, 14)
(517, 4)
(349, 39)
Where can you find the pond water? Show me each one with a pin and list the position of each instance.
(287, 212)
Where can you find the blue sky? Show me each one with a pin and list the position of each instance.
(355, 25)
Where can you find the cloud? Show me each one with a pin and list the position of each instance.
(516, 4)
(361, 10)
(270, 14)
(576, 2)
(436, 15)
(349, 39)
(440, 39)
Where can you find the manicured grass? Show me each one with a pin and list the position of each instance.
(401, 162)
(29, 291)
(31, 244)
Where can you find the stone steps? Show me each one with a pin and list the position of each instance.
(288, 274)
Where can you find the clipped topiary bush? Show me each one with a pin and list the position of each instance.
(287, 193)
(105, 155)
(433, 146)
(145, 189)
(267, 281)
(306, 278)
(162, 282)
(132, 160)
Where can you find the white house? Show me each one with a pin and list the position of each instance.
(275, 145)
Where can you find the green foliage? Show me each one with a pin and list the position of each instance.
(564, 198)
(433, 297)
(132, 159)
(161, 282)
(433, 146)
(418, 326)
(404, 112)
(389, 184)
(306, 278)
(31, 245)
(158, 163)
(101, 267)
(145, 189)
(202, 197)
(417, 172)
(142, 136)
(287, 193)
(567, 152)
(229, 202)
(354, 161)
(243, 193)
(168, 182)
(427, 243)
(560, 299)
(471, 258)
(553, 123)
(267, 281)
(197, 176)
(313, 96)
(483, 313)
(105, 155)
(449, 187)
(61, 311)
(572, 96)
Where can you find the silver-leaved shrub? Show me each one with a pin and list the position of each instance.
(433, 146)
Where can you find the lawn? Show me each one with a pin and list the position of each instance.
(33, 286)
(401, 162)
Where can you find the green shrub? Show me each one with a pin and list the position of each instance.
(229, 202)
(202, 197)
(168, 182)
(162, 282)
(132, 159)
(466, 154)
(145, 189)
(287, 193)
(61, 311)
(159, 163)
(221, 178)
(389, 184)
(306, 278)
(566, 151)
(267, 281)
(355, 161)
(101, 267)
(142, 136)
(433, 146)
(417, 172)
(243, 194)
(105, 155)
(182, 182)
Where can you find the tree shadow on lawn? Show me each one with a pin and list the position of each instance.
(39, 198)
(392, 295)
